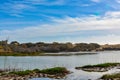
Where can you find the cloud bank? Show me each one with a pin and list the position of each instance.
(106, 27)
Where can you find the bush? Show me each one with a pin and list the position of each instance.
(22, 73)
(56, 70)
(111, 76)
(36, 70)
(101, 65)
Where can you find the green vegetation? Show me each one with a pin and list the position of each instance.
(43, 54)
(115, 76)
(104, 65)
(22, 54)
(54, 71)
(36, 70)
(22, 73)
(99, 67)
(36, 48)
(31, 49)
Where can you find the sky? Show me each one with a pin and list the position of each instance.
(76, 21)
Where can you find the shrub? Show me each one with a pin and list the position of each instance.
(21, 73)
(56, 70)
(101, 65)
(111, 76)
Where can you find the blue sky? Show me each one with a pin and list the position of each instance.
(60, 20)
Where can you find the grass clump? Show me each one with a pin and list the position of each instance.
(21, 73)
(56, 70)
(104, 65)
(36, 70)
(111, 76)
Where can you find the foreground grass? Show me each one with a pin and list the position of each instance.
(115, 76)
(56, 73)
(56, 70)
(99, 67)
(22, 73)
(104, 65)
(51, 71)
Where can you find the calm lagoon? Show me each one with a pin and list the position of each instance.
(70, 62)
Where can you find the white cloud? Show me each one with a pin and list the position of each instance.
(118, 1)
(113, 14)
(105, 39)
(96, 0)
(44, 2)
(16, 8)
(69, 25)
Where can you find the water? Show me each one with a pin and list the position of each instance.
(69, 62)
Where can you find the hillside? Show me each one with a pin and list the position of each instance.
(53, 47)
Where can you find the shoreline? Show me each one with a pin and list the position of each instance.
(99, 67)
(54, 53)
(48, 54)
(56, 73)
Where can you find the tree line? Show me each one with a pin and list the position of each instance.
(51, 47)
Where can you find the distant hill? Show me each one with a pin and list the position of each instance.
(53, 47)
(110, 47)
